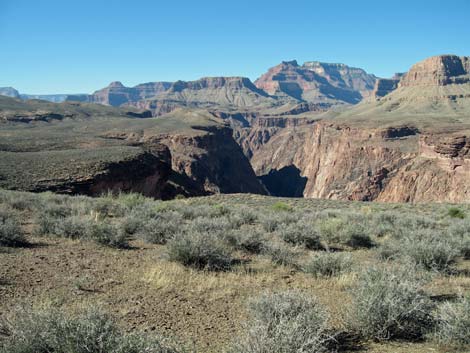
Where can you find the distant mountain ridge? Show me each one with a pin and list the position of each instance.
(9, 92)
(116, 94)
(314, 84)
(406, 139)
(12, 92)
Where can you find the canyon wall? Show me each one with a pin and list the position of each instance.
(336, 161)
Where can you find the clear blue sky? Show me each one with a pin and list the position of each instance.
(63, 46)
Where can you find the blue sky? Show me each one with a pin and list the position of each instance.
(52, 46)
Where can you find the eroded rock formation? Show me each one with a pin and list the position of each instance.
(411, 145)
(318, 82)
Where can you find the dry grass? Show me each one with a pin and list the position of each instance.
(146, 291)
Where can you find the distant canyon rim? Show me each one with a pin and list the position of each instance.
(315, 130)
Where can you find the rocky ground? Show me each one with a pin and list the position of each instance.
(146, 290)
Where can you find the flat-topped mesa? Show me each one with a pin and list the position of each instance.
(213, 83)
(438, 71)
(317, 82)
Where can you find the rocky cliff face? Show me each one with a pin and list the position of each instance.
(384, 86)
(214, 161)
(88, 171)
(204, 161)
(340, 162)
(317, 82)
(438, 71)
(411, 145)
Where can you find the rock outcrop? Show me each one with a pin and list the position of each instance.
(88, 171)
(318, 82)
(411, 145)
(205, 159)
(384, 86)
(438, 71)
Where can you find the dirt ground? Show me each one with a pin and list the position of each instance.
(146, 292)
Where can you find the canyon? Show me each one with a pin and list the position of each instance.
(314, 130)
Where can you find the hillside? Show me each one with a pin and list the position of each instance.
(433, 95)
(90, 148)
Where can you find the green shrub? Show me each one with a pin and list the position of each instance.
(156, 231)
(131, 200)
(289, 322)
(433, 252)
(344, 231)
(428, 249)
(210, 225)
(72, 227)
(248, 240)
(282, 206)
(384, 223)
(109, 235)
(108, 207)
(50, 217)
(355, 236)
(459, 232)
(465, 248)
(407, 223)
(200, 250)
(11, 233)
(281, 254)
(243, 216)
(330, 229)
(327, 264)
(131, 225)
(460, 229)
(91, 331)
(453, 323)
(190, 212)
(301, 234)
(220, 210)
(270, 222)
(21, 203)
(390, 250)
(455, 212)
(390, 303)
